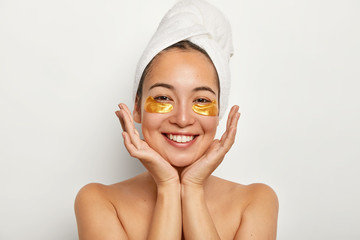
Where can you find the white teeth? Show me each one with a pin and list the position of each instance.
(180, 138)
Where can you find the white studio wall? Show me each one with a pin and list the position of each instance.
(65, 65)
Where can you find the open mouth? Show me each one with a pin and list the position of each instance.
(180, 138)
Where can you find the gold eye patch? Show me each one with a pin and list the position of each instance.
(153, 106)
(209, 109)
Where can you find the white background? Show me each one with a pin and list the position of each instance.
(65, 65)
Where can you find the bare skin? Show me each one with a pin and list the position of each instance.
(177, 198)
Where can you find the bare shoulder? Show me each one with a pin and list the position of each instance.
(259, 218)
(100, 208)
(261, 193)
(257, 205)
(110, 194)
(263, 202)
(94, 194)
(91, 197)
(91, 190)
(95, 215)
(103, 211)
(251, 194)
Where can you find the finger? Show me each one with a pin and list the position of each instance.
(143, 156)
(132, 119)
(229, 117)
(235, 120)
(230, 120)
(157, 166)
(127, 110)
(229, 139)
(232, 112)
(130, 127)
(129, 146)
(136, 133)
(136, 152)
(118, 114)
(224, 136)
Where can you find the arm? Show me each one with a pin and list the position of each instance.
(259, 220)
(166, 219)
(197, 221)
(95, 215)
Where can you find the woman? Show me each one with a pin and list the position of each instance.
(177, 104)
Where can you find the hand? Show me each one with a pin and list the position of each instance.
(200, 170)
(162, 172)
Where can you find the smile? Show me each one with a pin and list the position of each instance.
(180, 138)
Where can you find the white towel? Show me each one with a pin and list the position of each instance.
(202, 24)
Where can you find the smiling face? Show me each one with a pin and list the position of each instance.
(181, 78)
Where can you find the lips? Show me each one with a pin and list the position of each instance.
(182, 139)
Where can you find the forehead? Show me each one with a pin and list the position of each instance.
(180, 67)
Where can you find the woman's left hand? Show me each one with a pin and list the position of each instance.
(200, 170)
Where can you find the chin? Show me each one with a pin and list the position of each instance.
(180, 162)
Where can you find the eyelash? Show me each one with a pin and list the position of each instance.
(202, 100)
(162, 98)
(167, 99)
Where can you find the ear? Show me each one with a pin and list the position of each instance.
(137, 110)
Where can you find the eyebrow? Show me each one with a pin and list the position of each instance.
(168, 86)
(164, 85)
(204, 88)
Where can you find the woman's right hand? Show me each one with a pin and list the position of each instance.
(162, 172)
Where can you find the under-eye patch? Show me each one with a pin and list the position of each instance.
(209, 109)
(153, 106)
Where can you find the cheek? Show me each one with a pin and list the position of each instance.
(150, 122)
(209, 125)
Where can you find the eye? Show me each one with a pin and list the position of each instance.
(162, 98)
(202, 100)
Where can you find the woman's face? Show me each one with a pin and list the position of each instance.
(182, 78)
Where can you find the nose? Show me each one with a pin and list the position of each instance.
(182, 115)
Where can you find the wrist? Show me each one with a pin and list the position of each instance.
(192, 186)
(167, 181)
(168, 187)
(192, 190)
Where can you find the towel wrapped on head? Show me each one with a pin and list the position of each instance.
(202, 24)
